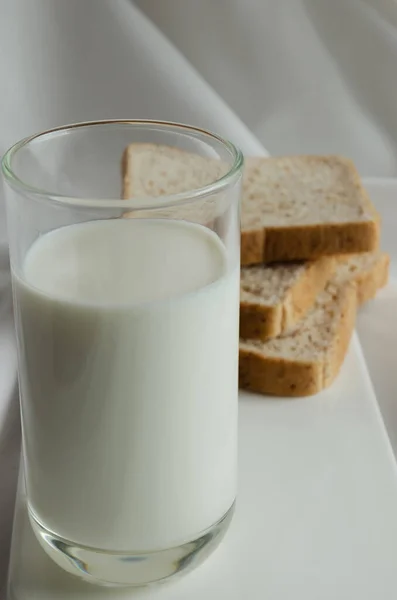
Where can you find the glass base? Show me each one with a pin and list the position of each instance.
(118, 569)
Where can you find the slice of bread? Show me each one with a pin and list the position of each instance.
(303, 207)
(307, 359)
(155, 170)
(275, 297)
(151, 170)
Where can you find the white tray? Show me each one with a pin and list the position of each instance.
(317, 510)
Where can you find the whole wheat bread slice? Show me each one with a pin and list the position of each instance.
(275, 297)
(307, 359)
(151, 170)
(302, 207)
(155, 170)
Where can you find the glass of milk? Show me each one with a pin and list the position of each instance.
(126, 316)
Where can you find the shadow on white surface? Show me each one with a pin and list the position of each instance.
(377, 321)
(377, 329)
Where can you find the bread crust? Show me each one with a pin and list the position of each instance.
(277, 376)
(335, 356)
(126, 187)
(307, 242)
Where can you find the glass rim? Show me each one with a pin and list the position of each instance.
(136, 203)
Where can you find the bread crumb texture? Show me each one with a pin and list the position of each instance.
(302, 190)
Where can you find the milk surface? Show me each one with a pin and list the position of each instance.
(128, 344)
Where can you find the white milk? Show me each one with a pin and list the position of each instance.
(128, 342)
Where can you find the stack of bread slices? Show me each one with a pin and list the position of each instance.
(309, 252)
(310, 257)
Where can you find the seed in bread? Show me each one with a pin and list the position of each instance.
(303, 207)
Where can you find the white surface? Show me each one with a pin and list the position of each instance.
(316, 514)
(130, 406)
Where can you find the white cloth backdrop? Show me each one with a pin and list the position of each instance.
(293, 75)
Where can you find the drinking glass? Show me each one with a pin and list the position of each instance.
(126, 305)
